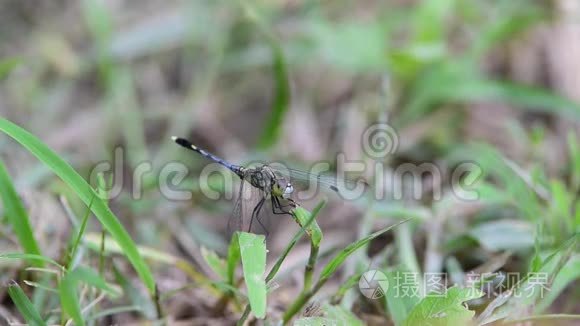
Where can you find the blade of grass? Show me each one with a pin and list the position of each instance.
(333, 265)
(6, 66)
(79, 236)
(253, 255)
(330, 269)
(69, 301)
(85, 193)
(300, 215)
(68, 294)
(135, 296)
(31, 257)
(303, 217)
(273, 127)
(233, 259)
(24, 306)
(281, 98)
(344, 287)
(17, 216)
(305, 226)
(91, 277)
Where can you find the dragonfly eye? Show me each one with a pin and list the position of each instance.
(288, 190)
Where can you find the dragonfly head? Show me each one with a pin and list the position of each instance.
(283, 190)
(288, 190)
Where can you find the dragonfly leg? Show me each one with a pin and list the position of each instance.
(255, 213)
(278, 208)
(263, 227)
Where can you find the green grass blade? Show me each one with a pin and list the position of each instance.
(527, 97)
(133, 294)
(253, 254)
(69, 299)
(68, 291)
(217, 265)
(24, 305)
(16, 214)
(85, 193)
(281, 81)
(281, 98)
(91, 277)
(6, 66)
(31, 257)
(233, 259)
(305, 225)
(79, 235)
(430, 20)
(307, 222)
(333, 265)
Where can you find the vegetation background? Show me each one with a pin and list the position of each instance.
(492, 82)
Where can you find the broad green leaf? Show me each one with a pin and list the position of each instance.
(24, 305)
(17, 216)
(446, 309)
(85, 193)
(253, 255)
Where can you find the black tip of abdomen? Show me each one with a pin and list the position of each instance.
(182, 142)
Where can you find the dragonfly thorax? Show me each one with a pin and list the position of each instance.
(265, 179)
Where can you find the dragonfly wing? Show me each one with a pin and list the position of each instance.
(248, 211)
(235, 222)
(256, 205)
(306, 180)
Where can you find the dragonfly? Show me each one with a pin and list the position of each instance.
(266, 183)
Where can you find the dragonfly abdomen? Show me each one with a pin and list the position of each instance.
(187, 144)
